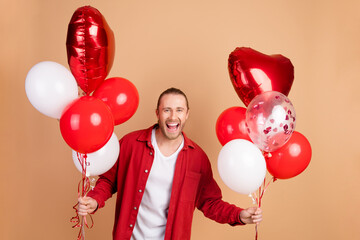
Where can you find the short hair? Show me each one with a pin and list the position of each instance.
(172, 90)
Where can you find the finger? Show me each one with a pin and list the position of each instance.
(82, 213)
(258, 211)
(85, 201)
(251, 210)
(257, 220)
(83, 208)
(81, 200)
(256, 217)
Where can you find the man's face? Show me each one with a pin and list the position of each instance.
(172, 115)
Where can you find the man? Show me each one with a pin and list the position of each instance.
(160, 177)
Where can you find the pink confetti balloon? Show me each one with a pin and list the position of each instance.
(270, 119)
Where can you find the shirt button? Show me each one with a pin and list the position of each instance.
(131, 225)
(146, 171)
(135, 208)
(151, 153)
(140, 190)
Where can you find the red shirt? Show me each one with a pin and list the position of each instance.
(193, 186)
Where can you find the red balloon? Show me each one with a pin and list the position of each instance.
(87, 124)
(90, 48)
(252, 73)
(121, 96)
(291, 159)
(231, 124)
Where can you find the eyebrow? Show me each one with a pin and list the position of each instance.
(177, 108)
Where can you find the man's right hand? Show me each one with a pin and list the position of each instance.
(86, 205)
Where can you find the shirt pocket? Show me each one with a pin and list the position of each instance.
(190, 187)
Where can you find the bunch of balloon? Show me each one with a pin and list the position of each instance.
(261, 136)
(87, 119)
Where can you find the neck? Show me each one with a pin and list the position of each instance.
(167, 146)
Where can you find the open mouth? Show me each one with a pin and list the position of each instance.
(172, 127)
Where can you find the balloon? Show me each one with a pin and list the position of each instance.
(291, 159)
(252, 73)
(90, 48)
(241, 166)
(270, 118)
(121, 96)
(231, 124)
(50, 87)
(101, 160)
(87, 124)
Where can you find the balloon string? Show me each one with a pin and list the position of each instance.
(256, 232)
(83, 188)
(257, 200)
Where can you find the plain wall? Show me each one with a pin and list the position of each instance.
(186, 44)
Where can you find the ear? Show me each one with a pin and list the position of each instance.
(187, 114)
(157, 113)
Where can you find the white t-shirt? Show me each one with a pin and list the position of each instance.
(153, 210)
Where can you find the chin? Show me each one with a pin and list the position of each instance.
(171, 135)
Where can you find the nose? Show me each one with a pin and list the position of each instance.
(173, 115)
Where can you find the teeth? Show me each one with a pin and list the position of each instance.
(173, 126)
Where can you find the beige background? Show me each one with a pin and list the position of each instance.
(186, 44)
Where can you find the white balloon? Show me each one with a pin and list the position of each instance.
(241, 166)
(100, 161)
(50, 87)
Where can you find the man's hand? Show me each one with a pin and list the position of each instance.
(86, 205)
(251, 215)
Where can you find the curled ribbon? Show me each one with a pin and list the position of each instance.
(257, 200)
(261, 191)
(83, 188)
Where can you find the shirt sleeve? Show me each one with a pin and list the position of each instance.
(210, 200)
(105, 186)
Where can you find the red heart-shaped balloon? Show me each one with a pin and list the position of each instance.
(252, 73)
(90, 48)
